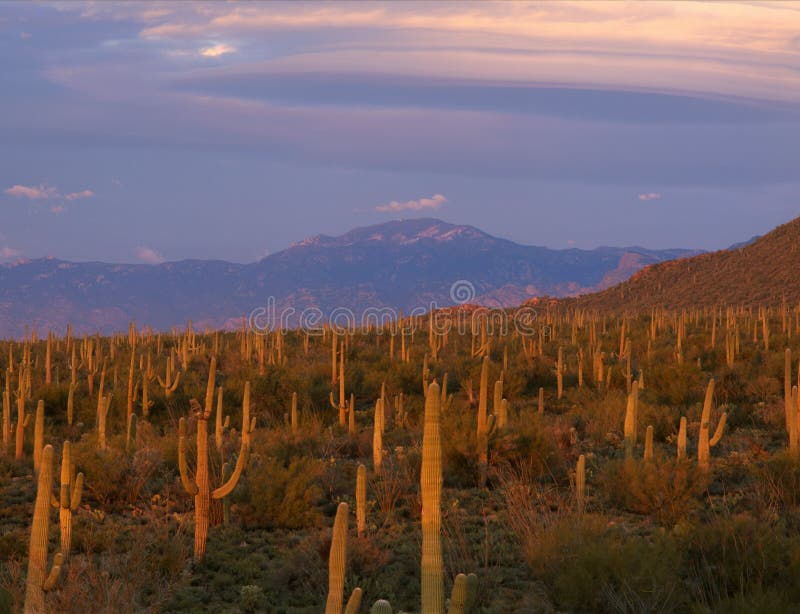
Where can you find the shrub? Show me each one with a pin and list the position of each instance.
(665, 489)
(282, 496)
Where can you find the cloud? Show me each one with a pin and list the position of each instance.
(149, 255)
(32, 192)
(216, 50)
(650, 196)
(45, 192)
(78, 195)
(434, 202)
(57, 209)
(9, 253)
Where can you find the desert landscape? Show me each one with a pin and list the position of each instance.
(411, 307)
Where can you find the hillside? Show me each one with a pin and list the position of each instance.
(760, 272)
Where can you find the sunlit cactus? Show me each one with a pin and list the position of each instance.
(361, 500)
(337, 562)
(200, 488)
(38, 580)
(705, 444)
(431, 488)
(69, 497)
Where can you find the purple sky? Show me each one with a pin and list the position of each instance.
(141, 131)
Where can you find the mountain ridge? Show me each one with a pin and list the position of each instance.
(400, 264)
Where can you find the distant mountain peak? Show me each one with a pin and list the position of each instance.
(398, 232)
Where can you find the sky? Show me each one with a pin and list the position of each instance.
(143, 132)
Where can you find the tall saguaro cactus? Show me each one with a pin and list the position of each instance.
(69, 498)
(337, 562)
(361, 500)
(431, 485)
(200, 488)
(485, 424)
(38, 580)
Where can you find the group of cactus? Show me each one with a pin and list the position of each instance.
(432, 572)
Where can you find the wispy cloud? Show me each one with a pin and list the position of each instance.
(216, 50)
(79, 195)
(650, 196)
(149, 255)
(434, 202)
(39, 192)
(45, 192)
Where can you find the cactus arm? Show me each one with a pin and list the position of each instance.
(77, 493)
(190, 487)
(354, 603)
(55, 572)
(720, 430)
(227, 487)
(175, 382)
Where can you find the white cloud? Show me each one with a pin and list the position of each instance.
(434, 202)
(149, 255)
(216, 50)
(32, 192)
(9, 253)
(78, 195)
(650, 196)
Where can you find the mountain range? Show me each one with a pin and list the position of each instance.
(402, 264)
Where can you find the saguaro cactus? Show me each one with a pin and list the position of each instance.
(38, 580)
(648, 444)
(294, 413)
(200, 487)
(704, 445)
(7, 414)
(69, 498)
(377, 438)
(22, 419)
(103, 403)
(38, 435)
(560, 373)
(458, 599)
(168, 384)
(361, 500)
(484, 425)
(580, 483)
(631, 420)
(682, 438)
(337, 562)
(431, 486)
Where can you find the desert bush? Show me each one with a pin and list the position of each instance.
(668, 490)
(278, 495)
